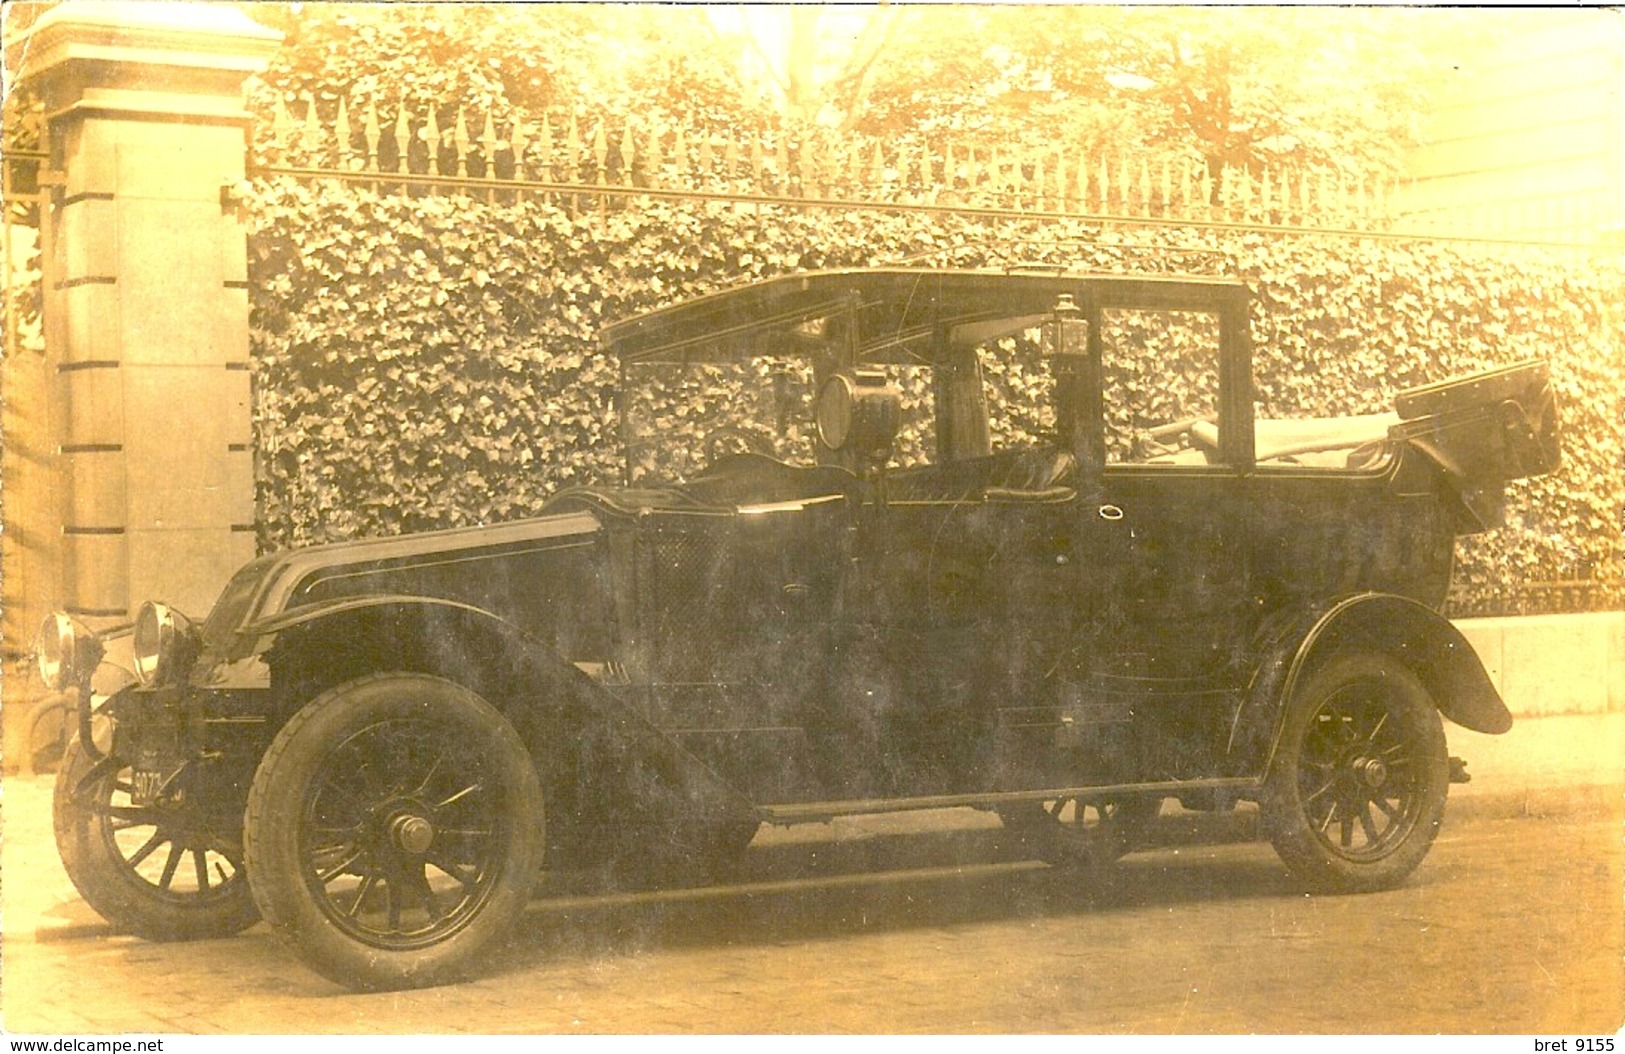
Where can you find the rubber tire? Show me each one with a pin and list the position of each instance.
(272, 840)
(1282, 812)
(107, 883)
(1051, 841)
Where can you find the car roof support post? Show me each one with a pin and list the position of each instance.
(960, 394)
(1073, 345)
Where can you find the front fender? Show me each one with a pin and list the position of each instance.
(1400, 627)
(478, 648)
(241, 664)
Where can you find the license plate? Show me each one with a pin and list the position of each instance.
(148, 785)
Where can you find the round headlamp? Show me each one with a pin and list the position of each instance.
(160, 644)
(57, 649)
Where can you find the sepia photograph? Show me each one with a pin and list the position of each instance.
(630, 519)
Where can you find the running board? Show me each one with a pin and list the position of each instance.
(822, 811)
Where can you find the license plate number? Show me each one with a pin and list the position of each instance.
(148, 785)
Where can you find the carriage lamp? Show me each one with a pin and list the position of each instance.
(1066, 332)
(1075, 364)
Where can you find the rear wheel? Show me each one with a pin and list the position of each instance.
(1357, 789)
(1081, 832)
(396, 829)
(170, 870)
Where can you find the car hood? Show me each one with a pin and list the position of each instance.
(273, 584)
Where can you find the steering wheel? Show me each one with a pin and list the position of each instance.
(754, 440)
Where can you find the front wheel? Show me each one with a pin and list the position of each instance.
(1356, 792)
(394, 831)
(167, 870)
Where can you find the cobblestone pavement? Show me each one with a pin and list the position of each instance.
(924, 923)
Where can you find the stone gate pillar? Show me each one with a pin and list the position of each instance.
(149, 455)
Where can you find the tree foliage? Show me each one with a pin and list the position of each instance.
(505, 60)
(1242, 87)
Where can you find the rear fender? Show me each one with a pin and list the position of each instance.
(1414, 634)
(558, 709)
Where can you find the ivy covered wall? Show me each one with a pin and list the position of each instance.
(427, 361)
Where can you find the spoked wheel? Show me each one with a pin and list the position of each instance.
(396, 828)
(169, 871)
(1081, 832)
(1357, 790)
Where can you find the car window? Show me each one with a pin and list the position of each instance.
(916, 436)
(680, 417)
(1020, 387)
(1160, 386)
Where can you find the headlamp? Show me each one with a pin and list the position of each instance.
(162, 645)
(58, 650)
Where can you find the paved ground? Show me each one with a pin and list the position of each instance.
(925, 923)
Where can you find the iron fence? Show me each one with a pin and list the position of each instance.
(590, 163)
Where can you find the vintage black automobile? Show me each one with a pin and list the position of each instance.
(888, 600)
